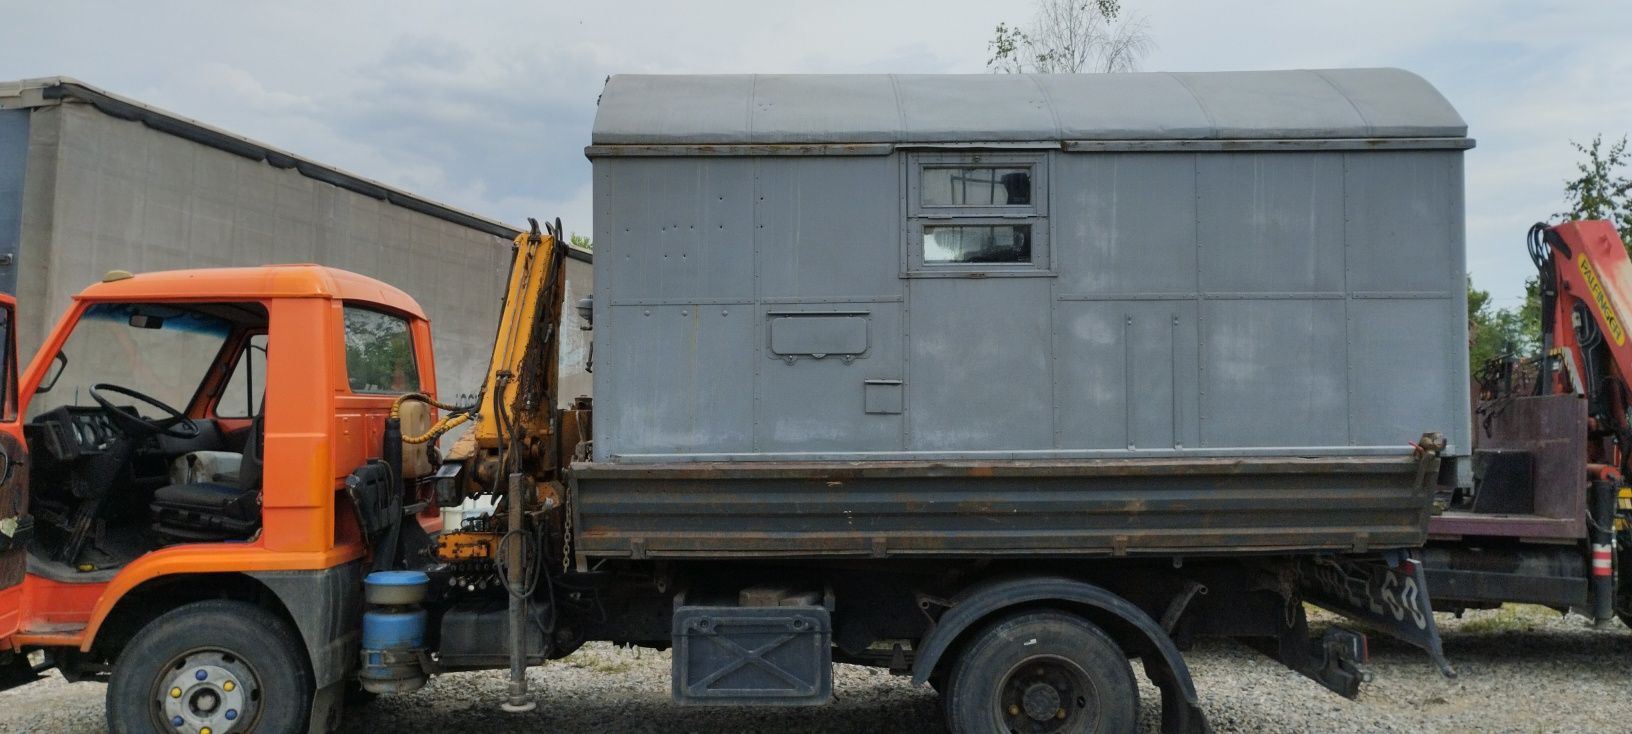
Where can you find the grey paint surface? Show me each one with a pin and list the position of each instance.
(104, 193)
(1305, 301)
(13, 170)
(984, 108)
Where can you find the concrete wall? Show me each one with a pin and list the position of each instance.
(1224, 303)
(13, 168)
(104, 194)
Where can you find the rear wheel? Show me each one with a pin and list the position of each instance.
(216, 666)
(1044, 672)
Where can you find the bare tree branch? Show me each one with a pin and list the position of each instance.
(1071, 36)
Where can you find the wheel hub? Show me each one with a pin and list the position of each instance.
(1041, 702)
(207, 693)
(1045, 696)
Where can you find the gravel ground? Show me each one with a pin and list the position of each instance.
(1521, 669)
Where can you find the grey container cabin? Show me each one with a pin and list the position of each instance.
(1013, 271)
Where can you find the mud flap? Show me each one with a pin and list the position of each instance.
(1386, 592)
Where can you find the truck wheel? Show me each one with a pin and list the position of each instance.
(220, 666)
(1038, 672)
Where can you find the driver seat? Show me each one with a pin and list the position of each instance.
(212, 511)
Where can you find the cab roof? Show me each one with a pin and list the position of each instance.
(261, 282)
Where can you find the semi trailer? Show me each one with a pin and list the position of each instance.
(996, 382)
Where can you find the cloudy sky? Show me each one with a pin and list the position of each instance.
(487, 105)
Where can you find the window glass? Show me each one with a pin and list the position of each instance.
(976, 186)
(977, 243)
(161, 350)
(8, 368)
(242, 396)
(379, 353)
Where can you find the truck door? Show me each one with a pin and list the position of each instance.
(16, 526)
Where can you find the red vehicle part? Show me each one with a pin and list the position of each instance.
(1586, 280)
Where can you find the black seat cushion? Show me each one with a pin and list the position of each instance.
(205, 511)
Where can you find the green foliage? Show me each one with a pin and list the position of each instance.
(1494, 332)
(579, 241)
(1602, 191)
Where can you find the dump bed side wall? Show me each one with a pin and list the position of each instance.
(1305, 302)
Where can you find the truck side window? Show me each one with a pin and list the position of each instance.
(8, 369)
(242, 396)
(379, 353)
(977, 212)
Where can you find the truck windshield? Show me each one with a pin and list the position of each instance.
(160, 350)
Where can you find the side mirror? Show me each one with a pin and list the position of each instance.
(52, 373)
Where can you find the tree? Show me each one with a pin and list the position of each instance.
(1602, 191)
(1071, 36)
(1495, 332)
(579, 241)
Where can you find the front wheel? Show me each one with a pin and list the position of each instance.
(213, 666)
(1042, 672)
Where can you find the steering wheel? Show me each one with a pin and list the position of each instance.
(175, 426)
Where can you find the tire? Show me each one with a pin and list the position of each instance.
(1043, 672)
(228, 665)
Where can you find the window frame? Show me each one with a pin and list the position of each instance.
(1035, 214)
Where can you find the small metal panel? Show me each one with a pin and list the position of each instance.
(752, 656)
(818, 334)
(978, 365)
(882, 396)
(1273, 373)
(1125, 375)
(1014, 508)
(13, 164)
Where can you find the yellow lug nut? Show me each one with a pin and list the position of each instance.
(205, 730)
(1014, 710)
(1059, 714)
(228, 686)
(175, 693)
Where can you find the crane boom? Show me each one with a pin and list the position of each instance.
(1586, 281)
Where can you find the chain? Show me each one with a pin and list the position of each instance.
(566, 528)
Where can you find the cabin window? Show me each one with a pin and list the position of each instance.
(241, 398)
(977, 212)
(379, 353)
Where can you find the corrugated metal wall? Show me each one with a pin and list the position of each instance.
(1195, 303)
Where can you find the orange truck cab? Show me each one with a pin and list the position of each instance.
(169, 513)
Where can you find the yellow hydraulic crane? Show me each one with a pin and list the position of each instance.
(515, 447)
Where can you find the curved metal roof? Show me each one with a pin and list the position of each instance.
(758, 109)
